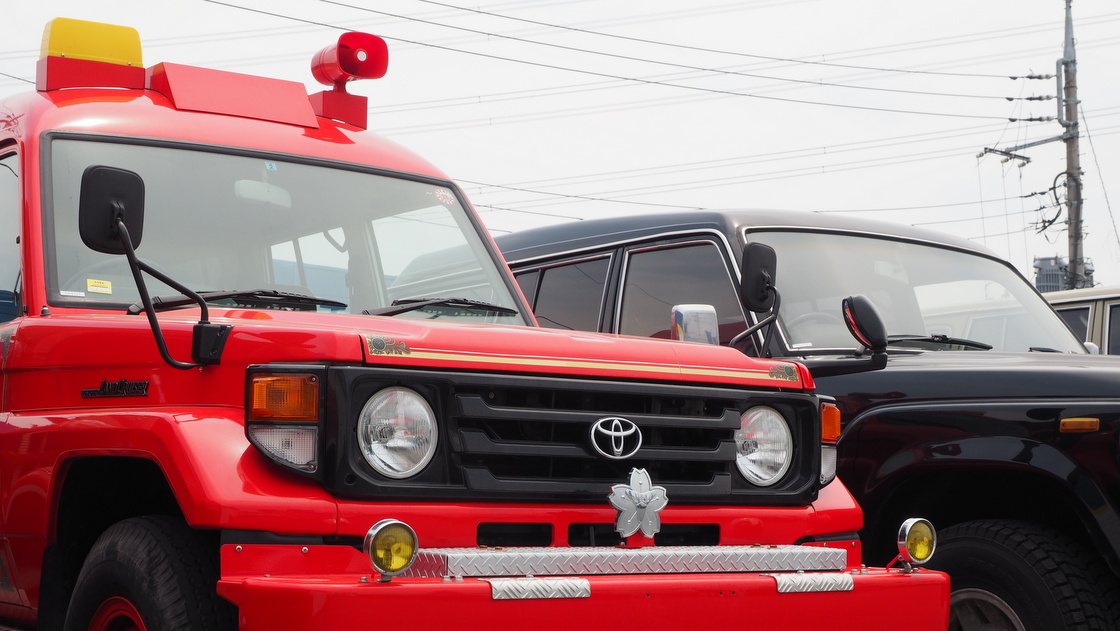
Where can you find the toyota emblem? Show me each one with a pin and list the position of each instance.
(616, 438)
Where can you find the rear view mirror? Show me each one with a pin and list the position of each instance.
(108, 197)
(263, 192)
(758, 270)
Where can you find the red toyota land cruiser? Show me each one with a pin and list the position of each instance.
(263, 369)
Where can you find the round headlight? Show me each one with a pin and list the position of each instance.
(391, 546)
(916, 540)
(764, 445)
(397, 432)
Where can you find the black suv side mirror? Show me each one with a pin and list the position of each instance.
(864, 322)
(758, 270)
(867, 326)
(757, 292)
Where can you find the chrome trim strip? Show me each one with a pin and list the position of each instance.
(538, 588)
(802, 583)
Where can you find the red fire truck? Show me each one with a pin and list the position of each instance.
(263, 369)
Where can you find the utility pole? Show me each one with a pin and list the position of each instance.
(1076, 273)
(1067, 117)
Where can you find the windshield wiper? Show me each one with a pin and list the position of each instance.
(938, 339)
(267, 298)
(405, 305)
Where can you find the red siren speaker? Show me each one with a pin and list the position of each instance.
(354, 56)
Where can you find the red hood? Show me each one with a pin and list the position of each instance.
(460, 346)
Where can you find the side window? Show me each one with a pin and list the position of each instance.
(570, 296)
(1077, 319)
(690, 274)
(1112, 342)
(528, 283)
(9, 237)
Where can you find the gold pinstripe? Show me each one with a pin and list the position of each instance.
(592, 365)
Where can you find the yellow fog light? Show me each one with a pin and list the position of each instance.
(391, 547)
(916, 541)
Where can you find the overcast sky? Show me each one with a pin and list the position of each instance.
(548, 111)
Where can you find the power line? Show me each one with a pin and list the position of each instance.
(554, 199)
(620, 77)
(706, 50)
(705, 69)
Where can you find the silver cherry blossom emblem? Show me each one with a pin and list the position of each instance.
(638, 504)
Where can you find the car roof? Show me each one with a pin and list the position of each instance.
(1100, 292)
(590, 234)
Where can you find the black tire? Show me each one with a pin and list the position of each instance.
(1018, 576)
(149, 574)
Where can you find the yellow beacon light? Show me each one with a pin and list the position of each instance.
(391, 546)
(92, 41)
(80, 54)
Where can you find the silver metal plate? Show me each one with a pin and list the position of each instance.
(538, 588)
(802, 583)
(466, 562)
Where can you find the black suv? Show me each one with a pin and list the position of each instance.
(965, 398)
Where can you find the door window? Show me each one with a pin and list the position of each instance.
(570, 296)
(1077, 319)
(1112, 342)
(9, 238)
(657, 279)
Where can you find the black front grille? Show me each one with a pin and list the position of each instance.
(506, 447)
(522, 438)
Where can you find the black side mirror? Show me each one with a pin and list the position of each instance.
(108, 197)
(758, 271)
(111, 221)
(757, 292)
(865, 323)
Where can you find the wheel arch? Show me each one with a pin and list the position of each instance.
(948, 495)
(93, 493)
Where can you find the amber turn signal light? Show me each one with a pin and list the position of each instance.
(287, 397)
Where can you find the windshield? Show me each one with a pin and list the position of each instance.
(919, 290)
(223, 222)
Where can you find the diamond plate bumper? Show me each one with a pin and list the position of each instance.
(464, 562)
(277, 587)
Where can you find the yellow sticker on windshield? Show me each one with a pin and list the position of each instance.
(95, 286)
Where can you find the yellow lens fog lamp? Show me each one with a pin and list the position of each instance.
(917, 540)
(391, 546)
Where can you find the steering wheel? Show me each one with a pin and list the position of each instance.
(819, 317)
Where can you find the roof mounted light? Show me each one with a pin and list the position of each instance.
(77, 53)
(354, 56)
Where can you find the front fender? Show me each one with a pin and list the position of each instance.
(219, 480)
(885, 449)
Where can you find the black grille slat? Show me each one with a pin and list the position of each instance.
(472, 406)
(481, 480)
(477, 442)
